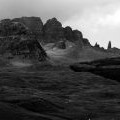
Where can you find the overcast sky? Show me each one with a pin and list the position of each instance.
(99, 20)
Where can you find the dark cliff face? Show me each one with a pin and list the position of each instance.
(27, 48)
(68, 33)
(77, 35)
(53, 31)
(86, 42)
(9, 28)
(34, 24)
(19, 33)
(19, 37)
(60, 45)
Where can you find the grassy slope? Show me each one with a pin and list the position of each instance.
(48, 92)
(75, 54)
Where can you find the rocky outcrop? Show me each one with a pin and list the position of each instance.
(23, 25)
(109, 45)
(61, 45)
(19, 36)
(29, 49)
(86, 42)
(77, 35)
(97, 45)
(33, 24)
(9, 28)
(17, 33)
(68, 34)
(53, 31)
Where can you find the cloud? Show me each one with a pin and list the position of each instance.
(99, 23)
(62, 9)
(97, 19)
(111, 19)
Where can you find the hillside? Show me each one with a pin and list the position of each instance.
(48, 72)
(75, 54)
(29, 38)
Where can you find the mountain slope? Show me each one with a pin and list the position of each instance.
(75, 54)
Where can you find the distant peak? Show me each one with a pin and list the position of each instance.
(53, 19)
(109, 45)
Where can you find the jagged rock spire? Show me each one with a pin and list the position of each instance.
(97, 45)
(109, 45)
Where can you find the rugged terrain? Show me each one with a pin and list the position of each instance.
(46, 73)
(48, 92)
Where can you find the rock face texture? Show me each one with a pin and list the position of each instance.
(8, 28)
(29, 49)
(19, 37)
(86, 42)
(61, 45)
(16, 35)
(53, 31)
(33, 24)
(97, 45)
(109, 45)
(68, 33)
(77, 35)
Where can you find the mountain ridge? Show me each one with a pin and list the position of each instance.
(18, 34)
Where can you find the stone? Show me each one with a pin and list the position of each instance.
(86, 42)
(17, 34)
(109, 45)
(34, 24)
(77, 35)
(68, 33)
(9, 28)
(53, 31)
(61, 45)
(30, 49)
(97, 45)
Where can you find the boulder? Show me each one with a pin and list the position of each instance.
(61, 45)
(77, 35)
(86, 42)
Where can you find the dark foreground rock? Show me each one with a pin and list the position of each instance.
(108, 68)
